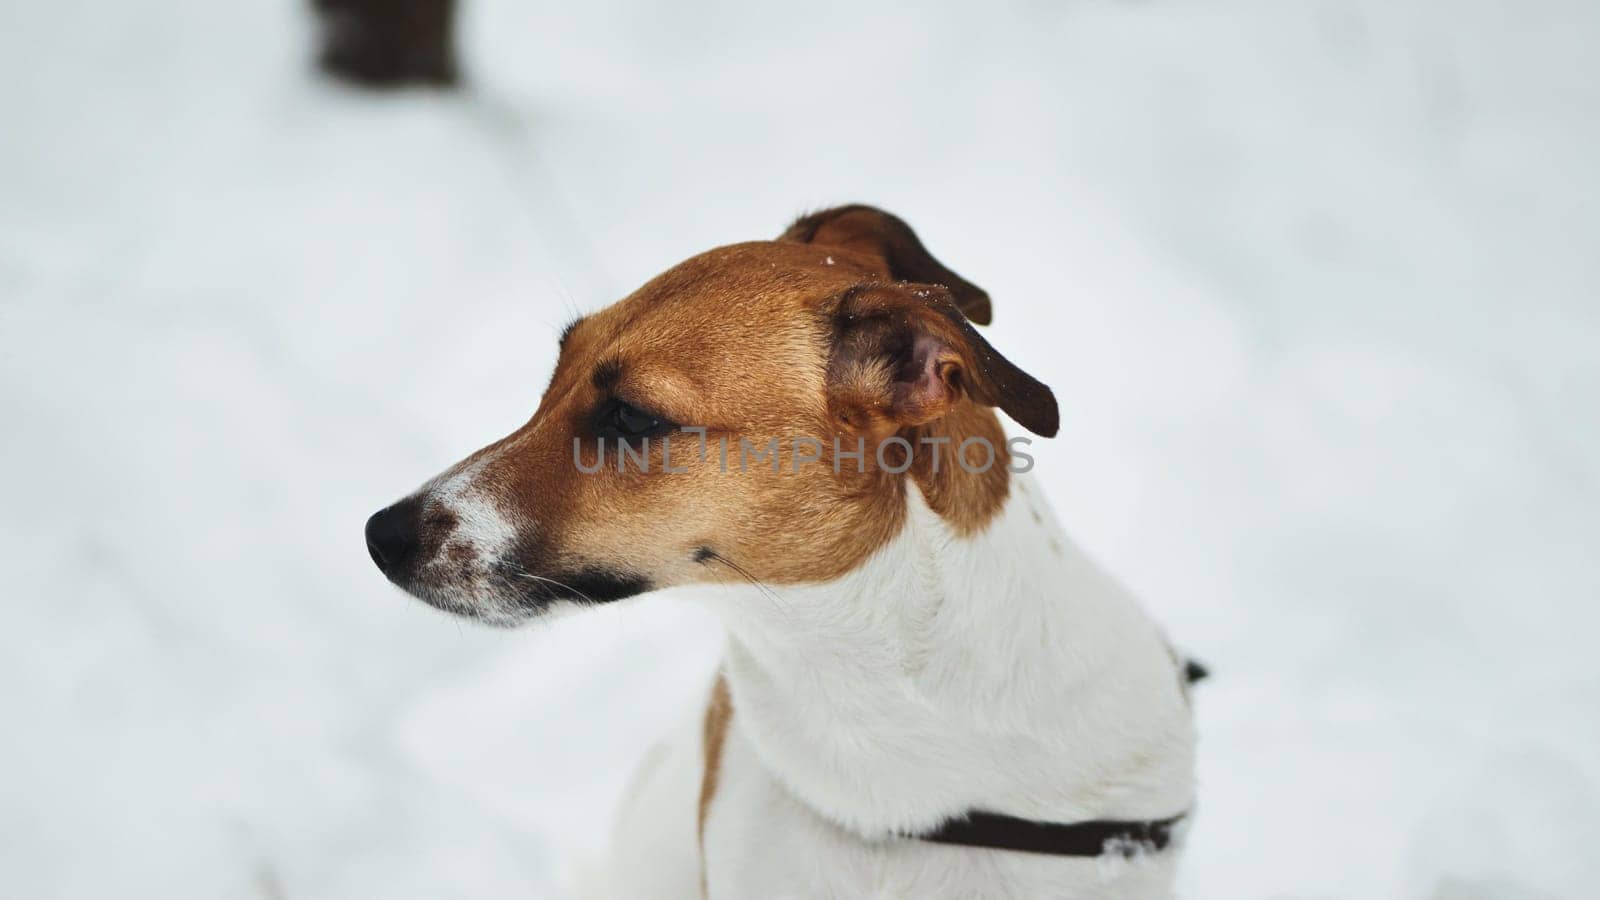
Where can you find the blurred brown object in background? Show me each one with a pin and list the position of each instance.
(389, 43)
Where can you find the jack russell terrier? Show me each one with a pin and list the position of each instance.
(928, 690)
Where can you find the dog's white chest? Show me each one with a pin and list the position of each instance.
(1005, 673)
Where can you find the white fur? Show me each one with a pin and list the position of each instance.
(1004, 673)
(476, 583)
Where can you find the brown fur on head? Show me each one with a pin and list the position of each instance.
(845, 328)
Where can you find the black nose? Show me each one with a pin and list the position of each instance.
(392, 536)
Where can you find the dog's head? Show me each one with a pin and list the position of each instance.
(755, 412)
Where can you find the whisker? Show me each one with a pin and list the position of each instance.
(520, 573)
(771, 597)
(707, 554)
(510, 595)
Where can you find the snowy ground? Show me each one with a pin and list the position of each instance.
(1316, 284)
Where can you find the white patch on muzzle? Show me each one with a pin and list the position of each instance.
(471, 569)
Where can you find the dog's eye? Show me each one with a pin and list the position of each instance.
(617, 419)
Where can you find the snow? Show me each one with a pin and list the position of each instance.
(1315, 283)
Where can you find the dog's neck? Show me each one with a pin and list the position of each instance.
(1000, 671)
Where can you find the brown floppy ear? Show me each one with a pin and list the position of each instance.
(904, 355)
(873, 232)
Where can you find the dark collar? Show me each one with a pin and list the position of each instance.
(1096, 837)
(1092, 838)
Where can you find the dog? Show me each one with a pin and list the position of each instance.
(927, 689)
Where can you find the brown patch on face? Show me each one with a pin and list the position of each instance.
(719, 711)
(755, 343)
(735, 341)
